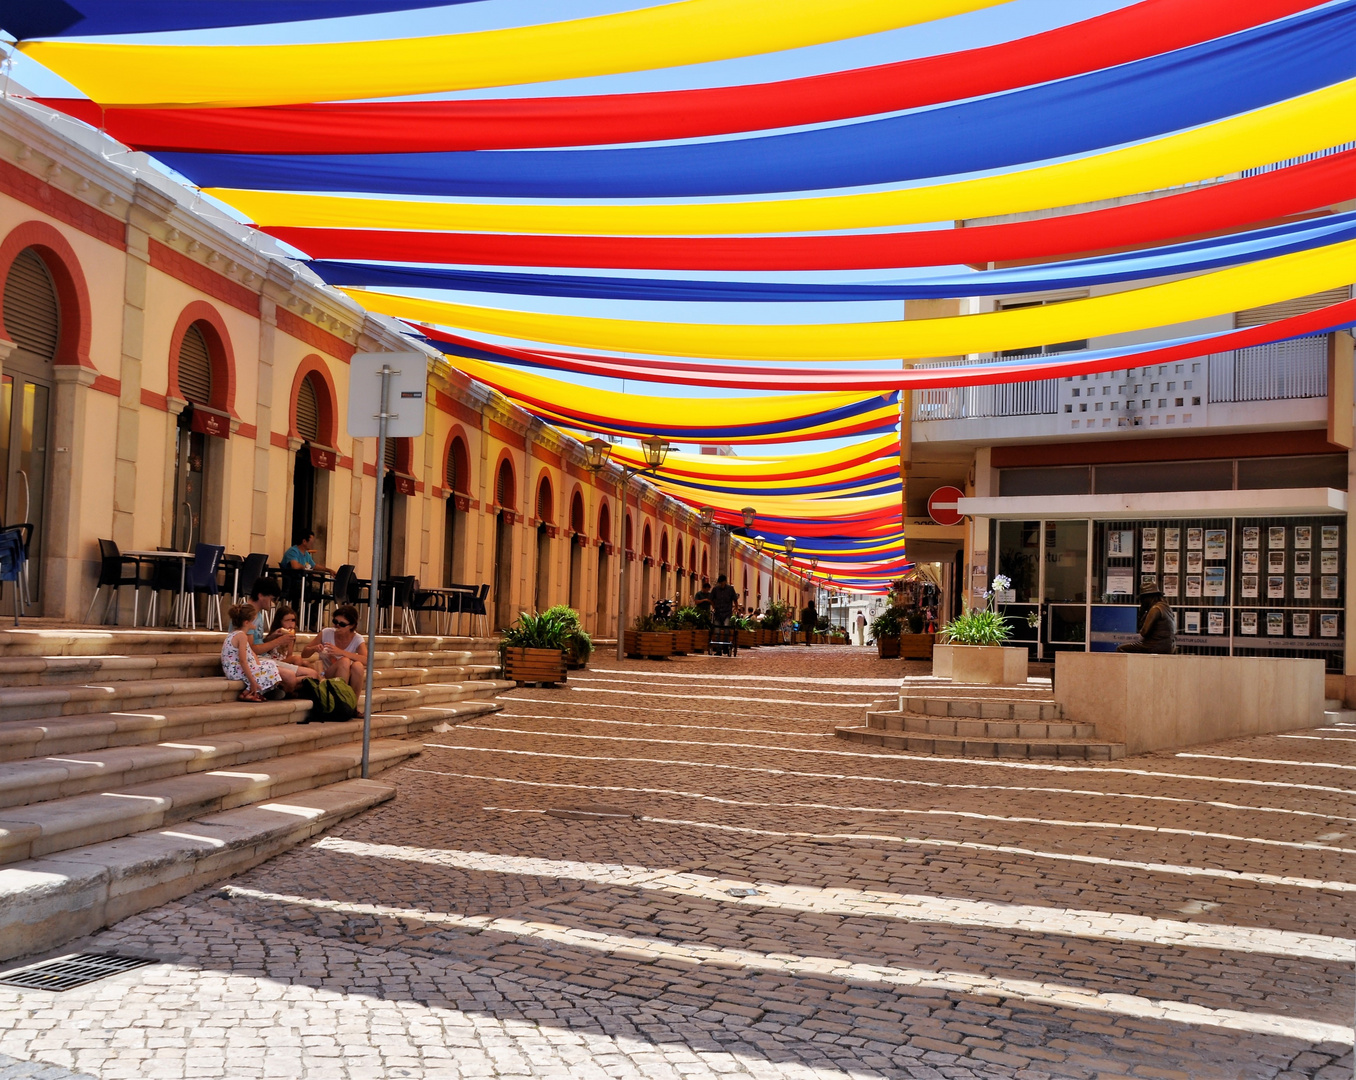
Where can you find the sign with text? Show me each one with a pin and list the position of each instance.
(409, 385)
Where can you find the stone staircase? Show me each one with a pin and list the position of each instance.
(936, 717)
(131, 775)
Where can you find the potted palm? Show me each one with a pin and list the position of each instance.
(649, 637)
(578, 644)
(533, 648)
(886, 629)
(914, 644)
(975, 650)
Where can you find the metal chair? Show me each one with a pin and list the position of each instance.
(13, 560)
(25, 532)
(422, 600)
(251, 570)
(200, 578)
(478, 610)
(113, 568)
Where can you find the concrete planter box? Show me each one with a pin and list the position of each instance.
(980, 665)
(887, 648)
(534, 665)
(656, 645)
(1166, 702)
(917, 646)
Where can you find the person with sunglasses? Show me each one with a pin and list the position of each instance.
(341, 648)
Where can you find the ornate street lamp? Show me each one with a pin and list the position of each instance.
(600, 452)
(749, 514)
(708, 516)
(758, 542)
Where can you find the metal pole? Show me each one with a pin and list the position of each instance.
(621, 588)
(374, 590)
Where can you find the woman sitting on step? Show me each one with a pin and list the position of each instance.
(342, 649)
(282, 644)
(260, 674)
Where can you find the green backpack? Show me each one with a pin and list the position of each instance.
(331, 700)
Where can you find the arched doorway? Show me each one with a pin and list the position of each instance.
(313, 415)
(647, 555)
(602, 613)
(664, 564)
(456, 478)
(678, 576)
(541, 594)
(33, 322)
(505, 497)
(577, 541)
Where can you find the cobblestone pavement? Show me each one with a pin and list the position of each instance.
(556, 892)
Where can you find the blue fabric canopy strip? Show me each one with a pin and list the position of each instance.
(1132, 102)
(1175, 259)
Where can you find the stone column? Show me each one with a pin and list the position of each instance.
(65, 580)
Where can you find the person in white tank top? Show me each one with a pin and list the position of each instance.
(341, 648)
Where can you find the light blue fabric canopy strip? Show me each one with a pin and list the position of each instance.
(1132, 102)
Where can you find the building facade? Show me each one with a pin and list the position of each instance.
(167, 382)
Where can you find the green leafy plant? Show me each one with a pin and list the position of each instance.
(539, 630)
(984, 626)
(774, 615)
(692, 618)
(889, 623)
(647, 624)
(741, 622)
(578, 645)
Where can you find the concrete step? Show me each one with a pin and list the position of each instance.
(142, 641)
(36, 779)
(961, 746)
(68, 670)
(1332, 704)
(1339, 716)
(979, 729)
(928, 686)
(980, 708)
(50, 900)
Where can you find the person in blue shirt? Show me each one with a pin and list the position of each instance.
(300, 555)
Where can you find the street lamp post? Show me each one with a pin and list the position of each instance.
(655, 450)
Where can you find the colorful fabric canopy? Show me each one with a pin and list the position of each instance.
(686, 32)
(1150, 97)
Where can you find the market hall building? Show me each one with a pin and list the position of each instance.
(167, 383)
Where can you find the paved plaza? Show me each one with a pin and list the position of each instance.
(565, 889)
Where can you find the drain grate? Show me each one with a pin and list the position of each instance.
(68, 972)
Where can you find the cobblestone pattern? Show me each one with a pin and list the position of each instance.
(548, 897)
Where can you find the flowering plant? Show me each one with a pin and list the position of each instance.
(984, 626)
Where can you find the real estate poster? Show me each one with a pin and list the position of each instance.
(1249, 587)
(1328, 588)
(1214, 581)
(1275, 623)
(1301, 586)
(1276, 562)
(1195, 562)
(1299, 624)
(1193, 584)
(1247, 622)
(1148, 561)
(1171, 562)
(1304, 562)
(1250, 562)
(1120, 542)
(1120, 580)
(1214, 622)
(1191, 622)
(1276, 587)
(1172, 538)
(1216, 543)
(1328, 561)
(1276, 536)
(1252, 537)
(1148, 537)
(1170, 585)
(1327, 624)
(1304, 537)
(1196, 539)
(1332, 535)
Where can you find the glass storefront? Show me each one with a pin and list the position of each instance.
(1239, 586)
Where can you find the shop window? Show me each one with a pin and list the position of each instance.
(1037, 481)
(1164, 476)
(1315, 470)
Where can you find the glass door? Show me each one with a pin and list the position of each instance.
(1065, 585)
(25, 413)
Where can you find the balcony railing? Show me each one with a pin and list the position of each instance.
(1283, 369)
(972, 402)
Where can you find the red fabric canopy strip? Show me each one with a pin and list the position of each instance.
(1202, 211)
(746, 377)
(1118, 37)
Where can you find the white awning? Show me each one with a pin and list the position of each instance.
(1261, 502)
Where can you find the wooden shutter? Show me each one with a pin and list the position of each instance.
(308, 411)
(32, 313)
(503, 490)
(450, 469)
(195, 368)
(390, 460)
(544, 507)
(1301, 305)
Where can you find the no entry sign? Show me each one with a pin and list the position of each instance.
(942, 506)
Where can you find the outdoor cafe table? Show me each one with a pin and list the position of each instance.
(184, 557)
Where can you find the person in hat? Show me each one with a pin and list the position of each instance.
(1157, 629)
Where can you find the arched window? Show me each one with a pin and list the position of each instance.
(678, 553)
(308, 408)
(577, 513)
(604, 524)
(32, 311)
(628, 535)
(458, 468)
(545, 501)
(195, 367)
(646, 541)
(505, 488)
(664, 546)
(692, 555)
(389, 461)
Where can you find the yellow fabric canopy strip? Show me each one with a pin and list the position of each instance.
(1233, 289)
(717, 468)
(1292, 128)
(798, 506)
(670, 35)
(658, 412)
(867, 475)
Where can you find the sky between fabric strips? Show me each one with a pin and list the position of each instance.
(663, 198)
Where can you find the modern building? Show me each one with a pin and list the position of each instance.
(169, 380)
